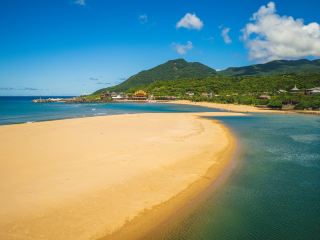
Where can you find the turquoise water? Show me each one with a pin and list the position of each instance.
(22, 109)
(274, 192)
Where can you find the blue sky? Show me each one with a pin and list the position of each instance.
(71, 47)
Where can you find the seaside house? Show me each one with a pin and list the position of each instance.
(190, 94)
(114, 94)
(140, 95)
(123, 95)
(120, 96)
(312, 91)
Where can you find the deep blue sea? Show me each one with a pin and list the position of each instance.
(272, 194)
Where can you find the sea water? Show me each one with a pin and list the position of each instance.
(22, 109)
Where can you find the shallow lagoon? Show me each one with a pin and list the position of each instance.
(274, 192)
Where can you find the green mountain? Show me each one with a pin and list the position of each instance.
(268, 84)
(171, 70)
(275, 67)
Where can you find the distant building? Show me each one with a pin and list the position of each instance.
(118, 97)
(312, 91)
(264, 96)
(114, 94)
(140, 95)
(295, 89)
(190, 94)
(282, 91)
(208, 95)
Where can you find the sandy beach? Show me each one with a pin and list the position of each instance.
(86, 178)
(230, 107)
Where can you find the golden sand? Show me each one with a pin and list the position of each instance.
(230, 107)
(87, 178)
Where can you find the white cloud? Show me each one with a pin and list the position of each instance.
(270, 36)
(143, 18)
(225, 35)
(182, 48)
(190, 21)
(80, 2)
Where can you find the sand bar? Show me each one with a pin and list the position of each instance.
(86, 178)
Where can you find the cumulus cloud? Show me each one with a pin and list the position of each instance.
(190, 21)
(143, 18)
(269, 36)
(182, 48)
(225, 35)
(80, 2)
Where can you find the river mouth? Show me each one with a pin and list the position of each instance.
(274, 192)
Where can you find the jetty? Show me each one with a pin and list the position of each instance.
(50, 100)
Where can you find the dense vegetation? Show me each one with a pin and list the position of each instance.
(242, 90)
(179, 78)
(275, 67)
(171, 70)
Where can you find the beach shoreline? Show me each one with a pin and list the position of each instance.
(229, 107)
(182, 204)
(73, 179)
(242, 108)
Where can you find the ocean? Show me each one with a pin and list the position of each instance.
(273, 192)
(22, 109)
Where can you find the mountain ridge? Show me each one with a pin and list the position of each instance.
(275, 67)
(170, 70)
(180, 69)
